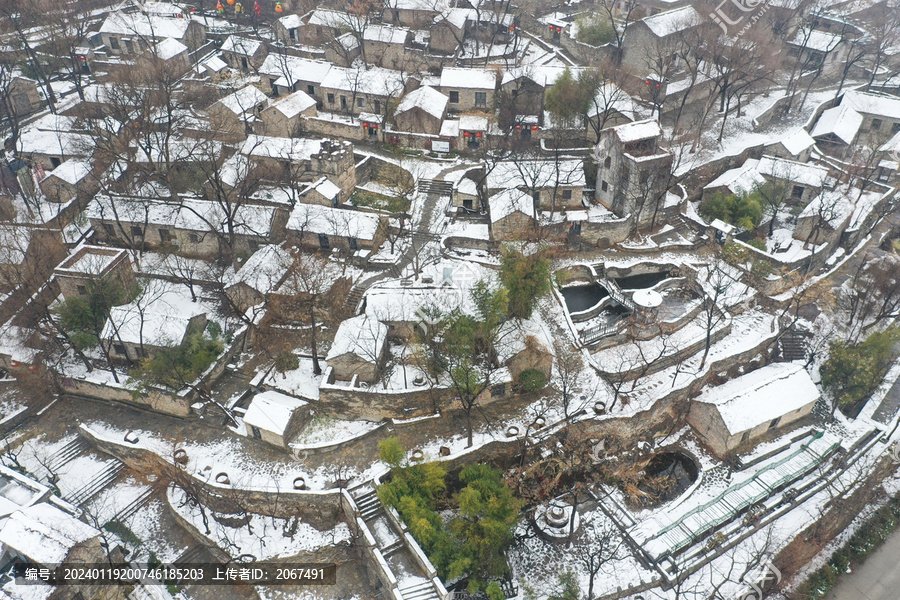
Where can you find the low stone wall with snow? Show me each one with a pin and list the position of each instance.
(154, 400)
(319, 508)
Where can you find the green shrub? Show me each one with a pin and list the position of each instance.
(595, 30)
(743, 210)
(532, 380)
(758, 243)
(735, 254)
(286, 361)
(123, 532)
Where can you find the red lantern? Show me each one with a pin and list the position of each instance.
(365, 125)
(374, 126)
(518, 127)
(657, 85)
(465, 134)
(478, 135)
(32, 367)
(647, 82)
(512, 28)
(13, 363)
(257, 8)
(534, 127)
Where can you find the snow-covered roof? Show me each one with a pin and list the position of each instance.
(386, 34)
(450, 128)
(241, 45)
(291, 21)
(72, 171)
(423, 5)
(90, 260)
(44, 533)
(841, 121)
(509, 201)
(797, 141)
(740, 180)
(294, 68)
(816, 39)
(428, 99)
(326, 188)
(335, 18)
(638, 130)
(362, 336)
(672, 21)
(16, 490)
(159, 318)
(374, 80)
(791, 170)
(328, 220)
(272, 411)
(761, 396)
(55, 143)
(294, 104)
(214, 64)
(264, 270)
(472, 123)
(892, 146)
(879, 105)
(143, 25)
(281, 148)
(191, 214)
(612, 97)
(476, 79)
(170, 48)
(536, 174)
(244, 100)
(834, 206)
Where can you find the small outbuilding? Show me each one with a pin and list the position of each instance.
(747, 407)
(358, 349)
(275, 418)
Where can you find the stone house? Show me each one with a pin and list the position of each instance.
(632, 171)
(552, 185)
(357, 91)
(468, 89)
(193, 228)
(512, 214)
(325, 227)
(27, 253)
(287, 29)
(50, 149)
(283, 116)
(359, 348)
(659, 32)
(385, 46)
(244, 54)
(89, 264)
(174, 55)
(134, 32)
(800, 182)
(238, 112)
(72, 179)
(416, 14)
(20, 98)
(744, 409)
(258, 276)
(286, 74)
(421, 111)
(796, 145)
(144, 327)
(276, 418)
(860, 118)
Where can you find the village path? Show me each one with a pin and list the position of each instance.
(421, 233)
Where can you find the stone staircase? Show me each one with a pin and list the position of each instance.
(419, 591)
(105, 477)
(435, 186)
(792, 346)
(67, 453)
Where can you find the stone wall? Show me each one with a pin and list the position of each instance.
(155, 400)
(322, 509)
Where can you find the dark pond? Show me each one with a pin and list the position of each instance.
(668, 475)
(640, 282)
(582, 297)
